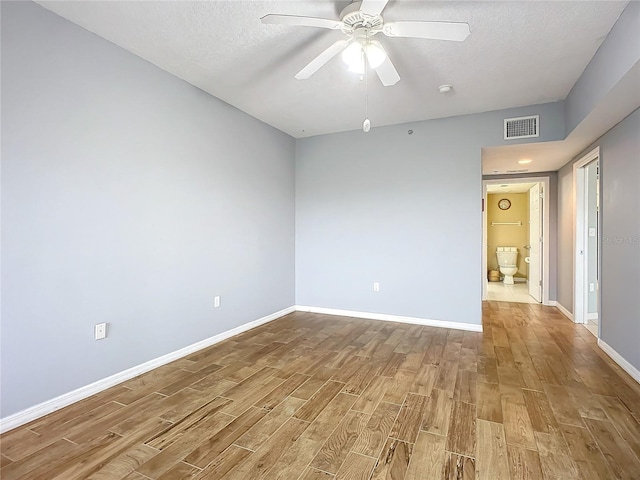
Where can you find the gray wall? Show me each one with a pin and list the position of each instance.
(552, 197)
(128, 197)
(620, 237)
(565, 237)
(619, 52)
(402, 210)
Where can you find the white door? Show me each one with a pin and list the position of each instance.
(535, 241)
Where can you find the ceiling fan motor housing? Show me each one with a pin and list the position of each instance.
(360, 21)
(354, 19)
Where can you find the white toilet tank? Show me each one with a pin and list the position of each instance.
(507, 256)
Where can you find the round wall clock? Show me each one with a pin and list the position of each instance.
(504, 204)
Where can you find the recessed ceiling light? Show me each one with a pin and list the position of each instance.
(525, 161)
(445, 88)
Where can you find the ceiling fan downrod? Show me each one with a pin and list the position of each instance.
(366, 125)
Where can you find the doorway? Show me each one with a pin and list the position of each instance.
(587, 245)
(516, 217)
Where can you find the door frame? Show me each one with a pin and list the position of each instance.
(580, 238)
(545, 231)
(540, 200)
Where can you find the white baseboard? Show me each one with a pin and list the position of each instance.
(472, 327)
(620, 360)
(564, 311)
(45, 408)
(551, 303)
(592, 316)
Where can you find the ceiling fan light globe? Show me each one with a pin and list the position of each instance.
(352, 55)
(375, 54)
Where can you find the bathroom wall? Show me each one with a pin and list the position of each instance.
(508, 235)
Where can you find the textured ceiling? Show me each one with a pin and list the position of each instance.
(518, 53)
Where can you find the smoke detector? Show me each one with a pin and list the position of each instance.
(445, 88)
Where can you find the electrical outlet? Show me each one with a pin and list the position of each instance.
(100, 331)
(216, 301)
(376, 287)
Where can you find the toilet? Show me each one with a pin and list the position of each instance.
(508, 263)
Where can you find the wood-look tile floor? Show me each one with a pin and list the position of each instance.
(321, 397)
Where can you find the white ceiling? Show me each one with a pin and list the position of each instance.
(518, 53)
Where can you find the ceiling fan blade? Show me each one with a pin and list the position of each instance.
(456, 31)
(317, 63)
(303, 21)
(387, 73)
(373, 7)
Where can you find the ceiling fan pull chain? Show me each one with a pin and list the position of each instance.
(366, 125)
(366, 87)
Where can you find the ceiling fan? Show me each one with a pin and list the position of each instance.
(360, 22)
